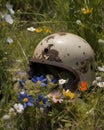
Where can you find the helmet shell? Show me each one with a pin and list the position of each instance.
(70, 50)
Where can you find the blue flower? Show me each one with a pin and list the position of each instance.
(40, 80)
(54, 80)
(42, 101)
(28, 100)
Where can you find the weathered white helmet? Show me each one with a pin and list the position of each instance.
(67, 50)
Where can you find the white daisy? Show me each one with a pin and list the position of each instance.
(10, 8)
(101, 68)
(19, 107)
(98, 78)
(31, 29)
(62, 81)
(6, 117)
(78, 22)
(8, 18)
(100, 84)
(9, 40)
(101, 41)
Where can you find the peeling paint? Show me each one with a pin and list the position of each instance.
(51, 54)
(84, 66)
(62, 33)
(50, 37)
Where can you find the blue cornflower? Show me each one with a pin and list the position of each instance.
(40, 80)
(54, 80)
(42, 101)
(28, 100)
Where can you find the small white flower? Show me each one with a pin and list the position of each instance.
(100, 84)
(94, 82)
(62, 81)
(9, 40)
(6, 53)
(8, 18)
(19, 107)
(5, 58)
(42, 109)
(101, 42)
(6, 117)
(98, 78)
(11, 110)
(31, 29)
(19, 61)
(22, 92)
(101, 68)
(78, 22)
(10, 8)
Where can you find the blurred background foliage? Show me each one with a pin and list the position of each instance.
(56, 15)
(60, 15)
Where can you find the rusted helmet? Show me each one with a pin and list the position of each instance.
(67, 53)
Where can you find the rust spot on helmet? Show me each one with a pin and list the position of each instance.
(50, 37)
(84, 66)
(51, 54)
(79, 46)
(62, 33)
(77, 63)
(68, 54)
(84, 53)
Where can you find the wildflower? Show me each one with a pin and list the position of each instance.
(56, 97)
(19, 107)
(38, 30)
(98, 78)
(47, 30)
(101, 68)
(62, 81)
(40, 80)
(9, 40)
(11, 110)
(31, 29)
(10, 8)
(6, 117)
(100, 84)
(26, 99)
(68, 94)
(83, 86)
(78, 22)
(8, 18)
(19, 61)
(101, 41)
(87, 11)
(53, 82)
(42, 101)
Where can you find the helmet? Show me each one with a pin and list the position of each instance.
(67, 53)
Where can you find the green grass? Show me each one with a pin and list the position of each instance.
(84, 113)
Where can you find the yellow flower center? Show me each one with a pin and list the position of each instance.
(39, 82)
(57, 96)
(25, 100)
(41, 102)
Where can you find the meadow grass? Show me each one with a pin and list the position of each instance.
(86, 112)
